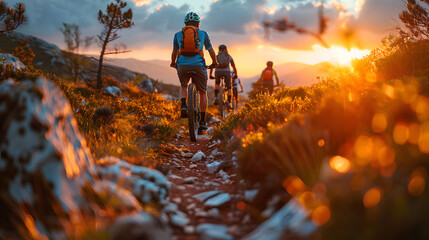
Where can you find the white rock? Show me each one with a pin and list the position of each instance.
(292, 217)
(112, 91)
(198, 157)
(213, 232)
(213, 167)
(186, 154)
(11, 60)
(250, 194)
(206, 195)
(211, 184)
(193, 166)
(189, 180)
(189, 229)
(218, 200)
(210, 130)
(223, 174)
(191, 206)
(179, 220)
(214, 212)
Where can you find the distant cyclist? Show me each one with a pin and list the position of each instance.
(188, 51)
(223, 70)
(235, 82)
(266, 79)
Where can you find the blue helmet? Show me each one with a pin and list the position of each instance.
(191, 16)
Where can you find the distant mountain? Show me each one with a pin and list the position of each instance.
(293, 74)
(156, 69)
(49, 58)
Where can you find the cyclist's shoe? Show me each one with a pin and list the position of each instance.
(216, 101)
(202, 127)
(184, 111)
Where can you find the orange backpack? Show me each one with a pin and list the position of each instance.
(268, 74)
(190, 42)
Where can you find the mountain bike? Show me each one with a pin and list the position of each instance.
(193, 103)
(223, 98)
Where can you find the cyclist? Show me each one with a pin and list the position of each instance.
(266, 79)
(235, 82)
(223, 70)
(188, 51)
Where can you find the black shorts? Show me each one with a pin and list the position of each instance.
(200, 76)
(226, 75)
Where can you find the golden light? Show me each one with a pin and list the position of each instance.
(140, 3)
(417, 182)
(321, 142)
(307, 199)
(364, 146)
(424, 142)
(379, 122)
(320, 215)
(340, 164)
(294, 185)
(338, 54)
(372, 197)
(389, 90)
(401, 132)
(386, 156)
(414, 133)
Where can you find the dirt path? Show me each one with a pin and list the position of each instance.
(197, 212)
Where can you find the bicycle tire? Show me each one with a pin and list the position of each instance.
(193, 111)
(221, 102)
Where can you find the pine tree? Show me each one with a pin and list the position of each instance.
(416, 20)
(11, 18)
(73, 40)
(115, 19)
(23, 52)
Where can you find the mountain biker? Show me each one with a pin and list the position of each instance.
(223, 70)
(235, 82)
(266, 79)
(188, 51)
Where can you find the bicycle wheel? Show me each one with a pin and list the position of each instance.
(221, 101)
(193, 111)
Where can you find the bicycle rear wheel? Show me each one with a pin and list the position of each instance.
(221, 102)
(193, 111)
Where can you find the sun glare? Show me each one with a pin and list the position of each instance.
(339, 55)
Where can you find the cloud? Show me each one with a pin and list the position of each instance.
(232, 16)
(166, 17)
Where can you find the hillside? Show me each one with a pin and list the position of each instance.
(49, 58)
(294, 74)
(156, 69)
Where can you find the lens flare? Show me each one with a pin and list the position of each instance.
(321, 215)
(340, 164)
(372, 197)
(379, 122)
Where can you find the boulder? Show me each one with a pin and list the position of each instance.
(146, 85)
(147, 185)
(213, 167)
(138, 226)
(112, 91)
(198, 157)
(11, 60)
(292, 218)
(44, 161)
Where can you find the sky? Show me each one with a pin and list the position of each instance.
(353, 24)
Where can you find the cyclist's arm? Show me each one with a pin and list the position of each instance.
(213, 56)
(241, 85)
(235, 70)
(260, 78)
(277, 78)
(174, 56)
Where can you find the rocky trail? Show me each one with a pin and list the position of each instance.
(205, 187)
